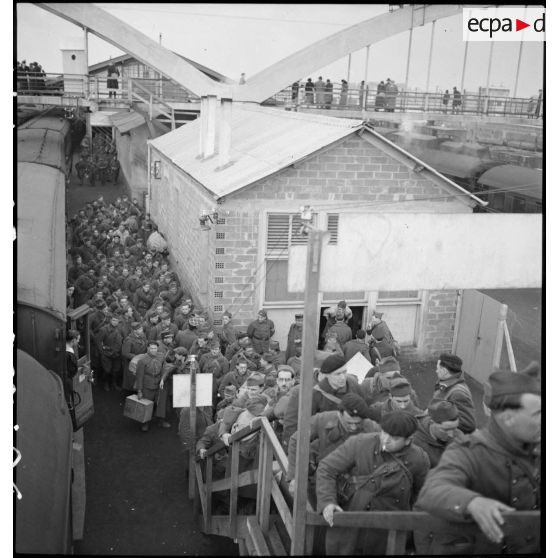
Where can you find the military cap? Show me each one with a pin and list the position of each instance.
(388, 364)
(400, 388)
(255, 379)
(332, 363)
(378, 315)
(181, 351)
(267, 356)
(136, 325)
(214, 344)
(165, 316)
(230, 390)
(285, 367)
(516, 383)
(399, 423)
(263, 313)
(273, 344)
(256, 404)
(166, 333)
(354, 405)
(442, 410)
(299, 316)
(450, 362)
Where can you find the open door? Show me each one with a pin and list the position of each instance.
(82, 392)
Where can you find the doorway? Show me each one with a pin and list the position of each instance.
(355, 323)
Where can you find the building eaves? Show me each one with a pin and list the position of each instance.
(426, 171)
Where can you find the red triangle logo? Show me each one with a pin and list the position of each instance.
(519, 25)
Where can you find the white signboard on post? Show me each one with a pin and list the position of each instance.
(401, 251)
(181, 390)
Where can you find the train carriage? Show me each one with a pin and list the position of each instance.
(50, 405)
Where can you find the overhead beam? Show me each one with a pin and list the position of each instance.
(137, 44)
(276, 77)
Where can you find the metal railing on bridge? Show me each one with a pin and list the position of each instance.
(95, 88)
(269, 531)
(92, 87)
(405, 101)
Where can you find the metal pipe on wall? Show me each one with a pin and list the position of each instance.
(366, 64)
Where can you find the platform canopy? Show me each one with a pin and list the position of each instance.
(402, 251)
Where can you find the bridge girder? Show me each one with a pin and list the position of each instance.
(269, 81)
(134, 42)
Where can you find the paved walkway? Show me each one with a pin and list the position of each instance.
(137, 493)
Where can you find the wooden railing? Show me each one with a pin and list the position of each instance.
(258, 533)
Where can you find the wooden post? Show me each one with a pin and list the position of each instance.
(500, 336)
(192, 448)
(233, 508)
(310, 341)
(265, 478)
(208, 493)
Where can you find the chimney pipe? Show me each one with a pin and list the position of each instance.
(203, 126)
(225, 132)
(211, 126)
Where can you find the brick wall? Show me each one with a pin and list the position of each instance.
(439, 321)
(351, 170)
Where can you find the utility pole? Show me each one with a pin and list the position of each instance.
(309, 344)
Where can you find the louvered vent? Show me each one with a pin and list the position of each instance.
(333, 227)
(277, 232)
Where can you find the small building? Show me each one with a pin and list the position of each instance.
(237, 258)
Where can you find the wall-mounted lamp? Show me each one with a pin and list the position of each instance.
(157, 169)
(206, 216)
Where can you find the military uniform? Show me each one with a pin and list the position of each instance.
(295, 333)
(458, 392)
(394, 480)
(486, 463)
(260, 333)
(132, 346)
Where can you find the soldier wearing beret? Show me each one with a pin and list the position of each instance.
(437, 429)
(260, 331)
(328, 430)
(387, 472)
(493, 470)
(452, 387)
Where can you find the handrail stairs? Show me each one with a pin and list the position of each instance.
(153, 101)
(259, 534)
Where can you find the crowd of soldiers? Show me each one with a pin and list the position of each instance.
(98, 161)
(372, 446)
(30, 77)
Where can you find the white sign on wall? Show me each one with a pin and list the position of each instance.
(401, 251)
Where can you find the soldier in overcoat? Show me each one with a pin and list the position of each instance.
(387, 472)
(493, 470)
(134, 344)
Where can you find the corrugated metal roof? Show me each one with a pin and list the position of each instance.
(515, 179)
(41, 237)
(126, 121)
(264, 141)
